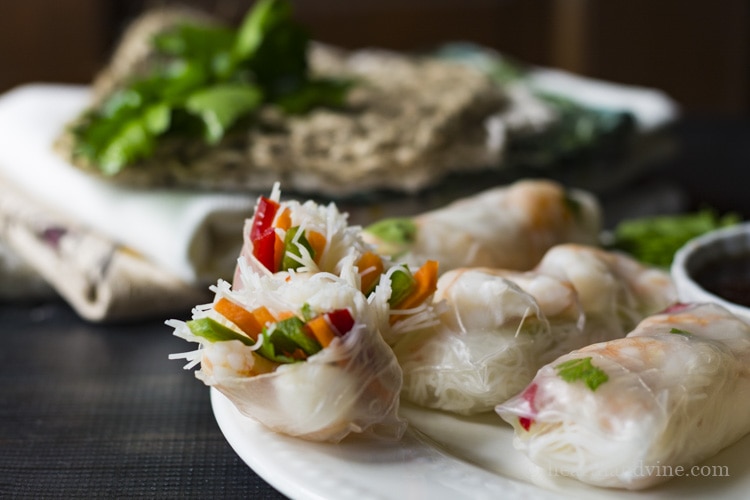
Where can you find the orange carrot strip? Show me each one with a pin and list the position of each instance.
(245, 320)
(317, 242)
(426, 284)
(263, 315)
(284, 219)
(370, 267)
(321, 330)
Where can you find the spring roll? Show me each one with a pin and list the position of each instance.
(490, 339)
(498, 327)
(624, 413)
(509, 227)
(303, 355)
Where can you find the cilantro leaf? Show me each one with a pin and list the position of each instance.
(679, 331)
(582, 369)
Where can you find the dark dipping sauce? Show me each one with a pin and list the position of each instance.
(728, 278)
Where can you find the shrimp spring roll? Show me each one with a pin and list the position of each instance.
(499, 327)
(302, 355)
(490, 338)
(509, 227)
(625, 413)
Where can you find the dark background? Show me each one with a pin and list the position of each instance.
(696, 51)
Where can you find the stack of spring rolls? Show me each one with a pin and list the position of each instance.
(316, 303)
(501, 301)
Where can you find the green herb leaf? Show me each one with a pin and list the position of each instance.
(330, 93)
(220, 106)
(654, 240)
(679, 331)
(195, 42)
(395, 235)
(208, 81)
(582, 369)
(265, 16)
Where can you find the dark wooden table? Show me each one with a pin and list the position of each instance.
(99, 411)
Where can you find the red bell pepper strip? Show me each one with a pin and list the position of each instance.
(263, 249)
(264, 215)
(341, 320)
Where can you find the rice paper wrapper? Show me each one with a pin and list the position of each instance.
(486, 347)
(508, 227)
(350, 386)
(671, 394)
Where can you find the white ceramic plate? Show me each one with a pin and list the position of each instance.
(441, 457)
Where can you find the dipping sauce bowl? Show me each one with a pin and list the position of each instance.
(715, 267)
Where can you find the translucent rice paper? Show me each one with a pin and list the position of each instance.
(615, 290)
(509, 227)
(501, 326)
(489, 341)
(351, 386)
(678, 391)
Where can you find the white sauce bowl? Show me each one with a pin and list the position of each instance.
(727, 242)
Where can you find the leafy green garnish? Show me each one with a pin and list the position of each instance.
(582, 369)
(679, 331)
(395, 234)
(221, 105)
(654, 240)
(212, 79)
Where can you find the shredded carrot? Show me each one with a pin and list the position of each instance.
(426, 284)
(278, 252)
(284, 219)
(285, 315)
(251, 323)
(321, 330)
(370, 267)
(317, 242)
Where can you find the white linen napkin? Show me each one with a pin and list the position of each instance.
(194, 236)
